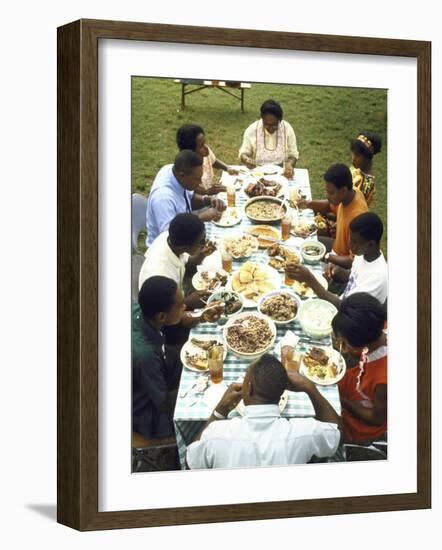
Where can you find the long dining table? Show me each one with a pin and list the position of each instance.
(192, 409)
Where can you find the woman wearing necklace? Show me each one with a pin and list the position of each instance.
(363, 148)
(359, 325)
(270, 140)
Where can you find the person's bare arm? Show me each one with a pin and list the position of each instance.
(322, 206)
(343, 261)
(377, 415)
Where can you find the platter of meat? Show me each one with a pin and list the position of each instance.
(268, 186)
(323, 366)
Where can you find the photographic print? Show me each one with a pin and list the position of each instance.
(259, 274)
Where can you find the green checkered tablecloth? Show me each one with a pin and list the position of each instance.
(191, 413)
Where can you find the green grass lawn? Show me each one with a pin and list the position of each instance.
(325, 119)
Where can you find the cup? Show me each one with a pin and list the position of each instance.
(291, 256)
(286, 226)
(215, 359)
(231, 195)
(227, 260)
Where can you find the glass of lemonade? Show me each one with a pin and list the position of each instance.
(215, 358)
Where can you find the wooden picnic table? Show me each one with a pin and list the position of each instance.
(224, 86)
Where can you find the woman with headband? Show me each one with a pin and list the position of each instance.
(363, 148)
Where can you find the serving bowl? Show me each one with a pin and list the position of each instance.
(222, 295)
(280, 212)
(293, 296)
(315, 317)
(312, 258)
(253, 354)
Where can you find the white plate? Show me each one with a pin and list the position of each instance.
(227, 220)
(267, 170)
(192, 349)
(273, 277)
(310, 293)
(336, 358)
(199, 284)
(253, 247)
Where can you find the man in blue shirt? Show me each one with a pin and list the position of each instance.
(172, 193)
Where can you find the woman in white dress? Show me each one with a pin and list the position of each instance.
(270, 140)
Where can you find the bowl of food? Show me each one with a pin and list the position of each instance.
(312, 252)
(281, 306)
(249, 335)
(194, 353)
(233, 303)
(315, 317)
(265, 209)
(240, 245)
(266, 235)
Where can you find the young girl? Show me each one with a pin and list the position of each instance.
(359, 325)
(363, 148)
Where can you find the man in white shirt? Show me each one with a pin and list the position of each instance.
(177, 252)
(262, 437)
(369, 271)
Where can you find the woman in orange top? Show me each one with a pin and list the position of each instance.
(363, 148)
(363, 390)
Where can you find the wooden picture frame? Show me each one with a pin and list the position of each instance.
(77, 225)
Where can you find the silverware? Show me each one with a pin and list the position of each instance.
(183, 394)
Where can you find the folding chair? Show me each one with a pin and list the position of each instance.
(154, 455)
(139, 209)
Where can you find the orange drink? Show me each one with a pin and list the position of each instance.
(286, 225)
(231, 195)
(215, 359)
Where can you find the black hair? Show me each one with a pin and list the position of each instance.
(157, 295)
(358, 146)
(186, 161)
(339, 175)
(360, 319)
(269, 378)
(271, 107)
(186, 136)
(185, 229)
(369, 226)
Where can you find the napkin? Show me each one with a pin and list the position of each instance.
(289, 339)
(213, 261)
(213, 394)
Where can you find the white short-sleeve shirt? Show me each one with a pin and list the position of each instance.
(370, 277)
(161, 260)
(262, 438)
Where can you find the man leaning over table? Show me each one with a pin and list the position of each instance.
(172, 193)
(262, 437)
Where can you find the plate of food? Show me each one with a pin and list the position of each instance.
(304, 291)
(233, 302)
(278, 256)
(249, 335)
(194, 352)
(241, 245)
(281, 306)
(265, 209)
(252, 281)
(267, 186)
(231, 216)
(209, 279)
(267, 170)
(323, 366)
(304, 229)
(266, 235)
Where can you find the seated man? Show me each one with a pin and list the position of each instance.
(172, 193)
(261, 437)
(369, 272)
(346, 203)
(176, 253)
(154, 381)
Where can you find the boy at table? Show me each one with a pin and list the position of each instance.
(369, 271)
(155, 372)
(344, 201)
(262, 437)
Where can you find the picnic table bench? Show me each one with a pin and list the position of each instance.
(224, 86)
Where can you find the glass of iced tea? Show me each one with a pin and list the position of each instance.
(231, 195)
(286, 226)
(227, 260)
(291, 257)
(215, 359)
